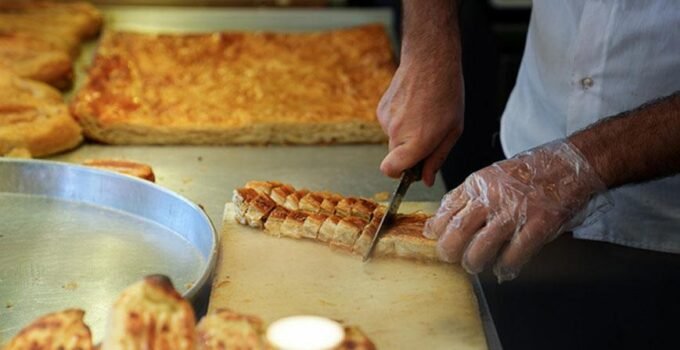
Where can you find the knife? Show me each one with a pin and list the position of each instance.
(408, 177)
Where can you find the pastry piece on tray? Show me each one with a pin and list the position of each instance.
(35, 58)
(346, 223)
(39, 39)
(34, 121)
(127, 167)
(226, 329)
(237, 87)
(150, 314)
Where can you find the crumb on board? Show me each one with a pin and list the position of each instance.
(70, 285)
(200, 159)
(381, 196)
(9, 305)
(222, 283)
(327, 303)
(188, 285)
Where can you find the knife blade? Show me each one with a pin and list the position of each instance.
(408, 177)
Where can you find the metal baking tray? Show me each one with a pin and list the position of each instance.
(74, 237)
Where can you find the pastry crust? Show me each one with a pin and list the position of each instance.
(382, 247)
(264, 187)
(237, 88)
(63, 330)
(347, 232)
(258, 209)
(273, 224)
(344, 207)
(280, 193)
(329, 203)
(150, 315)
(292, 225)
(33, 117)
(311, 203)
(136, 169)
(312, 225)
(327, 229)
(292, 201)
(363, 208)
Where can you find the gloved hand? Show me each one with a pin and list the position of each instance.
(503, 214)
(422, 113)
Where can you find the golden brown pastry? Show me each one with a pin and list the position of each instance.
(350, 225)
(38, 39)
(34, 118)
(63, 330)
(127, 167)
(273, 224)
(237, 87)
(150, 315)
(226, 329)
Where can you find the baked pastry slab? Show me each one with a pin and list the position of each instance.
(237, 87)
(33, 118)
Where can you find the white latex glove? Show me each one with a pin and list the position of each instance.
(503, 214)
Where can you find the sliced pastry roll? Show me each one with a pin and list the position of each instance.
(273, 224)
(312, 225)
(264, 187)
(292, 225)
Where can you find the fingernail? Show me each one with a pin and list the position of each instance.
(505, 274)
(473, 270)
(427, 230)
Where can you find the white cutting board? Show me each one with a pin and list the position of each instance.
(398, 304)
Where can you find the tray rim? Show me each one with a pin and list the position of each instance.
(205, 276)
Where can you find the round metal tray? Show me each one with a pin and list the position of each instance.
(72, 236)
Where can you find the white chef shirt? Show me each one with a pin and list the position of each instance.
(587, 60)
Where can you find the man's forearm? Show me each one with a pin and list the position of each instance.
(634, 146)
(430, 31)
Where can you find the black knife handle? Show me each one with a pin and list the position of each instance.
(415, 173)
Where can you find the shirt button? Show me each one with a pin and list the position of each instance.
(587, 83)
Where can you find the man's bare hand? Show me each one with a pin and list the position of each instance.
(422, 110)
(422, 113)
